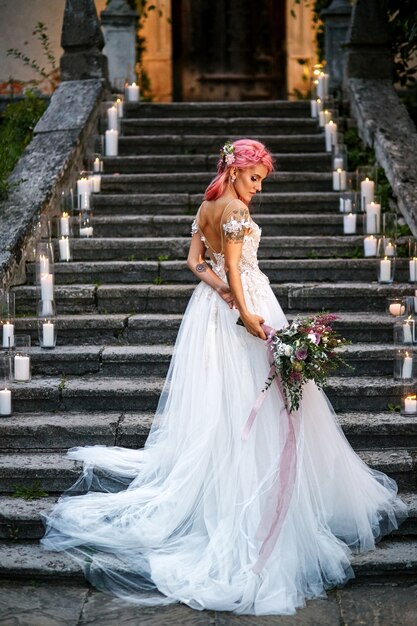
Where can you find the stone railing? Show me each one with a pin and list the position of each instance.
(49, 164)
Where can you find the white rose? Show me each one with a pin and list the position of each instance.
(288, 351)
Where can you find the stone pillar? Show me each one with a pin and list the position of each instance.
(82, 41)
(119, 26)
(368, 42)
(336, 24)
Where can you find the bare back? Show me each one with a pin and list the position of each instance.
(210, 216)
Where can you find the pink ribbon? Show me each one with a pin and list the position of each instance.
(283, 483)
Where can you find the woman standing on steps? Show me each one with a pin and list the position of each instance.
(193, 517)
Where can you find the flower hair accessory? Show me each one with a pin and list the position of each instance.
(227, 153)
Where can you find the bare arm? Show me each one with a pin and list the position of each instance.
(232, 253)
(198, 266)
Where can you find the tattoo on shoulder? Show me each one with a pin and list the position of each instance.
(236, 225)
(201, 267)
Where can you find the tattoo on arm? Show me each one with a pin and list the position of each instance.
(201, 267)
(236, 226)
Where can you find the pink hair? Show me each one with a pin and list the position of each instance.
(248, 153)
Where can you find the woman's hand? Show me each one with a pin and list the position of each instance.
(226, 295)
(253, 324)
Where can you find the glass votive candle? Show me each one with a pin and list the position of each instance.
(404, 331)
(5, 390)
(409, 404)
(404, 365)
(349, 224)
(396, 307)
(86, 224)
(370, 246)
(386, 267)
(7, 315)
(47, 326)
(21, 359)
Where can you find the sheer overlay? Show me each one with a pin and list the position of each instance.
(183, 519)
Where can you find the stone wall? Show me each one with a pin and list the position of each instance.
(384, 124)
(49, 164)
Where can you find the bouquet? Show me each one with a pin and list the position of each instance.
(303, 351)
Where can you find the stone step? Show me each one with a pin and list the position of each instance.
(153, 328)
(97, 392)
(220, 126)
(185, 203)
(168, 272)
(291, 162)
(176, 248)
(62, 430)
(196, 182)
(272, 108)
(211, 144)
(155, 298)
(119, 225)
(394, 559)
(21, 519)
(53, 472)
(153, 360)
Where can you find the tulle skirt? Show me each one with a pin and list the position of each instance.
(180, 520)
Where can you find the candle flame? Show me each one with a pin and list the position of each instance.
(411, 397)
(65, 214)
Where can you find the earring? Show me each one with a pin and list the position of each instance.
(232, 178)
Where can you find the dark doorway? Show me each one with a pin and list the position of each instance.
(229, 50)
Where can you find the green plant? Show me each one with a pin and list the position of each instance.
(62, 384)
(354, 253)
(393, 408)
(131, 257)
(18, 121)
(317, 6)
(29, 492)
(97, 283)
(13, 532)
(46, 74)
(157, 280)
(162, 257)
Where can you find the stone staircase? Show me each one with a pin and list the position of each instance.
(121, 300)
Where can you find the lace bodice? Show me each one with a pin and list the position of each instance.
(254, 281)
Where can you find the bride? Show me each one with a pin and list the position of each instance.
(202, 515)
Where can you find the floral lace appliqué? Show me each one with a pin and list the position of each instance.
(235, 226)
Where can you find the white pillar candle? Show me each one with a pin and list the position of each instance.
(367, 192)
(87, 231)
(132, 93)
(112, 117)
(373, 218)
(43, 264)
(119, 105)
(338, 163)
(112, 142)
(345, 205)
(324, 117)
(96, 183)
(319, 103)
(413, 269)
(407, 369)
(349, 224)
(48, 339)
(410, 404)
(8, 335)
(330, 131)
(389, 249)
(370, 246)
(84, 202)
(323, 85)
(396, 309)
(83, 186)
(97, 165)
(47, 287)
(64, 249)
(313, 108)
(385, 270)
(339, 180)
(64, 226)
(5, 402)
(407, 332)
(21, 367)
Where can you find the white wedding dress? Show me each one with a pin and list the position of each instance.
(184, 519)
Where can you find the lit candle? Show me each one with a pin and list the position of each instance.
(21, 368)
(330, 131)
(97, 165)
(349, 224)
(339, 180)
(407, 331)
(396, 309)
(83, 186)
(313, 108)
(132, 92)
(48, 338)
(367, 192)
(373, 218)
(43, 264)
(407, 369)
(111, 142)
(410, 404)
(324, 117)
(84, 201)
(370, 246)
(87, 231)
(47, 287)
(5, 402)
(96, 183)
(323, 85)
(385, 270)
(389, 249)
(112, 117)
(319, 103)
(345, 205)
(64, 223)
(119, 105)
(413, 269)
(8, 335)
(64, 249)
